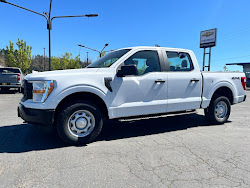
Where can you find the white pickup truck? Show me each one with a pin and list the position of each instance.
(127, 83)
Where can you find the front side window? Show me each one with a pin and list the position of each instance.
(109, 59)
(179, 61)
(145, 61)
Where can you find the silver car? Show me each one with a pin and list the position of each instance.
(11, 77)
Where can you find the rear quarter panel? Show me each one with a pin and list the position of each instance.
(215, 80)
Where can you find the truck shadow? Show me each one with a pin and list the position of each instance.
(24, 137)
(115, 131)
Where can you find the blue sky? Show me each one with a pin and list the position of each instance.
(132, 23)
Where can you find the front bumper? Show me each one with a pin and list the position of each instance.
(36, 116)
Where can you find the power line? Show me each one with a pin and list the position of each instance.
(232, 58)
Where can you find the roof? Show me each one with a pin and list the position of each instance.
(238, 64)
(156, 48)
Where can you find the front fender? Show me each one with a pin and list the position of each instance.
(76, 89)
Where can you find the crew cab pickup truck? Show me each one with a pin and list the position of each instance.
(10, 78)
(127, 83)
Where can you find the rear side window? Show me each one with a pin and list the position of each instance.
(179, 61)
(9, 71)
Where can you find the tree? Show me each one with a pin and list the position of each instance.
(85, 63)
(65, 62)
(226, 69)
(20, 57)
(2, 62)
(3, 57)
(37, 63)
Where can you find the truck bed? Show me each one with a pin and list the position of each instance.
(214, 80)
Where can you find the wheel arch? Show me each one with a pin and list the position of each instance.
(224, 91)
(91, 97)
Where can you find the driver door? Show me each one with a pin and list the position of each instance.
(144, 93)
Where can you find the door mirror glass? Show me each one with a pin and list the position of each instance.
(127, 70)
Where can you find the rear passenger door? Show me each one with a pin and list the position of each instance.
(184, 82)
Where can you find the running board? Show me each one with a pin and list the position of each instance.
(158, 116)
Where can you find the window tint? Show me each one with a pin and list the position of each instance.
(145, 61)
(179, 61)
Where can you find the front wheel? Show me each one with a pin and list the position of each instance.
(219, 110)
(79, 122)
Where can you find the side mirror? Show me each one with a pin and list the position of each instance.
(127, 70)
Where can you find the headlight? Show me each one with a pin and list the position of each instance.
(41, 90)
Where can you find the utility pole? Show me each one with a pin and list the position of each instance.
(44, 68)
(49, 20)
(87, 58)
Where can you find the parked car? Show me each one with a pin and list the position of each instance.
(248, 81)
(126, 84)
(11, 77)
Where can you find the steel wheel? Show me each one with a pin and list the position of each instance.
(221, 110)
(81, 123)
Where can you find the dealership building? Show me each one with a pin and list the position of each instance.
(246, 70)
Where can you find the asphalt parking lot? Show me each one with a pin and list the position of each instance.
(176, 151)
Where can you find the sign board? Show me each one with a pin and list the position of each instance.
(208, 38)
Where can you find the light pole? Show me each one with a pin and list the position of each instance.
(100, 52)
(49, 21)
(44, 59)
(87, 58)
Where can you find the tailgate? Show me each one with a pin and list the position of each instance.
(8, 78)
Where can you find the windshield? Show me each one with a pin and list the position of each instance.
(108, 59)
(8, 71)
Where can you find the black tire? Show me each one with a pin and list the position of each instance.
(70, 113)
(217, 114)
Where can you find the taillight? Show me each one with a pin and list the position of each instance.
(244, 82)
(19, 77)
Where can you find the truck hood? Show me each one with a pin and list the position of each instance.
(50, 75)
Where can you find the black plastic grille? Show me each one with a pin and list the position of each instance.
(27, 90)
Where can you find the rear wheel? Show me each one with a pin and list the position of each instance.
(219, 110)
(79, 122)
